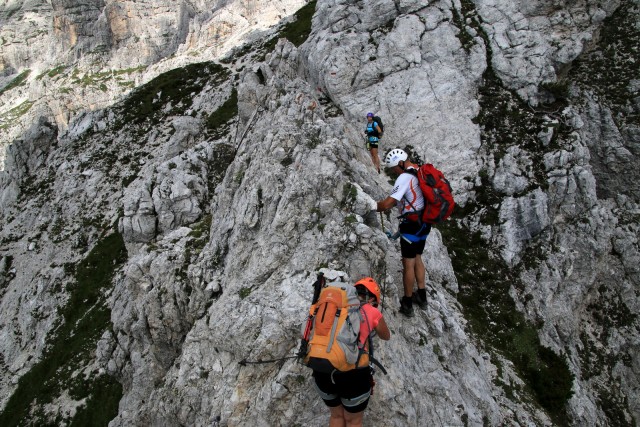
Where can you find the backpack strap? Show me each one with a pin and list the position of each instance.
(378, 364)
(413, 172)
(418, 213)
(366, 321)
(333, 330)
(415, 211)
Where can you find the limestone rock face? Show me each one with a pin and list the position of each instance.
(552, 33)
(62, 57)
(26, 156)
(232, 174)
(612, 161)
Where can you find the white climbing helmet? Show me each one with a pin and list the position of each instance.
(394, 157)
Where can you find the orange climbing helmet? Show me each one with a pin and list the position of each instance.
(371, 287)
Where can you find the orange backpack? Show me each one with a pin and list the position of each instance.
(335, 327)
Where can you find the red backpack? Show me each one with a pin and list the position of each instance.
(438, 200)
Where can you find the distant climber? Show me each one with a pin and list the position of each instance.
(407, 196)
(347, 392)
(373, 133)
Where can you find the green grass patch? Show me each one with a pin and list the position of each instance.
(200, 230)
(83, 319)
(18, 81)
(98, 79)
(102, 404)
(10, 117)
(53, 72)
(466, 40)
(199, 238)
(223, 156)
(350, 219)
(609, 68)
(244, 292)
(130, 70)
(168, 94)
(349, 195)
(559, 90)
(218, 119)
(298, 31)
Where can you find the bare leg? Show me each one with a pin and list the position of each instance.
(337, 417)
(420, 272)
(409, 275)
(374, 157)
(354, 420)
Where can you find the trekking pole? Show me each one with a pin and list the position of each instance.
(317, 288)
(384, 291)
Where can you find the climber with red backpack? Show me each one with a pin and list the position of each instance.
(423, 197)
(337, 344)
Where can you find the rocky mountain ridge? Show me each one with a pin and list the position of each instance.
(150, 247)
(61, 58)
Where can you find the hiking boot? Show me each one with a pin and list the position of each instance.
(406, 307)
(421, 303)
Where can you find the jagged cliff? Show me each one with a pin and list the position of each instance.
(165, 221)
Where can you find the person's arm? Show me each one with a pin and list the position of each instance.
(379, 130)
(399, 188)
(386, 204)
(382, 330)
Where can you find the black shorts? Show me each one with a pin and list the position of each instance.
(372, 144)
(350, 389)
(416, 236)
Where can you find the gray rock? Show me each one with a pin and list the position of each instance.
(522, 219)
(225, 233)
